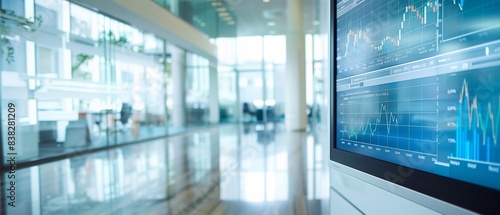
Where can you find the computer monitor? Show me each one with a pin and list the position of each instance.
(416, 95)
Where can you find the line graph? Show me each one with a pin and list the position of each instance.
(476, 127)
(461, 18)
(471, 115)
(473, 110)
(459, 4)
(364, 128)
(394, 115)
(419, 80)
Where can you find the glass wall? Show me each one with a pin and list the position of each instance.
(274, 69)
(197, 90)
(260, 63)
(228, 91)
(314, 76)
(227, 79)
(260, 70)
(83, 80)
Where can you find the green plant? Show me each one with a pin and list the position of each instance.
(9, 19)
(109, 37)
(80, 60)
(105, 37)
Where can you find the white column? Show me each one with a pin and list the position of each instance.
(178, 68)
(214, 94)
(295, 76)
(297, 174)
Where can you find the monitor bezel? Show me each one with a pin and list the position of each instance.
(462, 194)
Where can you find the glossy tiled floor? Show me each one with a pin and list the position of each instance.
(229, 169)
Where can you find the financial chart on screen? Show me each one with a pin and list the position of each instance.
(418, 84)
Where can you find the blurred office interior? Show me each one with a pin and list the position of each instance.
(165, 106)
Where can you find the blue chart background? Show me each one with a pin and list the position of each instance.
(427, 123)
(467, 145)
(399, 117)
(419, 122)
(463, 17)
(382, 33)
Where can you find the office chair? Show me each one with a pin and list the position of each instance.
(125, 113)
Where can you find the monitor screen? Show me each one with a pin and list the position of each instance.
(417, 84)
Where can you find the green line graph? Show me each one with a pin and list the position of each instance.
(370, 127)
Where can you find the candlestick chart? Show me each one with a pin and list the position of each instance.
(389, 31)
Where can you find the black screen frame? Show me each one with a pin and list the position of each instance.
(462, 194)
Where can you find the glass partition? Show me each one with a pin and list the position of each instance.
(82, 80)
(228, 92)
(260, 71)
(314, 76)
(227, 79)
(197, 90)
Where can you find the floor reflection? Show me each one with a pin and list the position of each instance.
(230, 169)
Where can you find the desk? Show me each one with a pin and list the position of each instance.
(55, 121)
(106, 120)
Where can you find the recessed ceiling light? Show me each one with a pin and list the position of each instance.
(271, 24)
(231, 22)
(316, 22)
(266, 1)
(228, 18)
(221, 9)
(215, 3)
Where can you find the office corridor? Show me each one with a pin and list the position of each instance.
(227, 169)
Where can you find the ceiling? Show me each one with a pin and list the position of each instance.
(255, 17)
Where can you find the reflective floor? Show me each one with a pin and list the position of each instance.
(228, 169)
